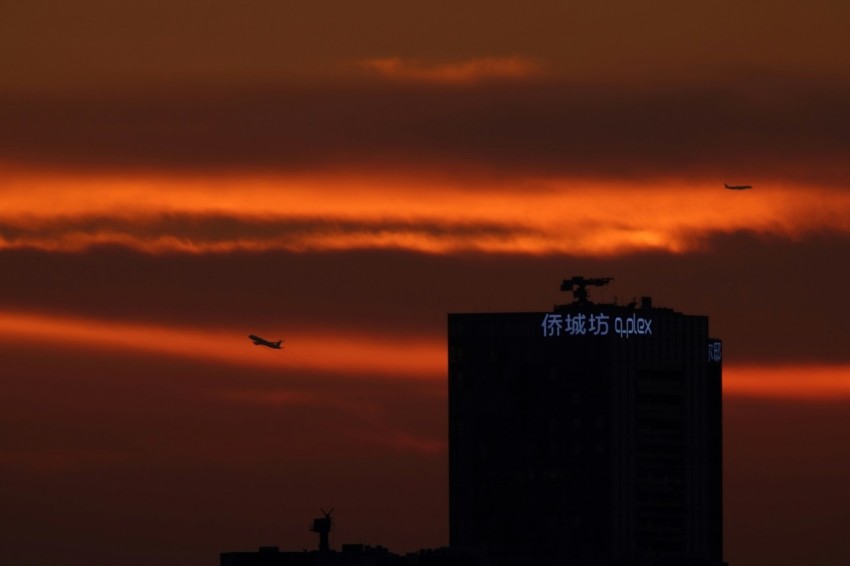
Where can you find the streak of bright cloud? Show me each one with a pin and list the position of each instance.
(814, 382)
(425, 214)
(352, 354)
(457, 72)
(370, 355)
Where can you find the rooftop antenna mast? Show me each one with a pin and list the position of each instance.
(323, 526)
(578, 285)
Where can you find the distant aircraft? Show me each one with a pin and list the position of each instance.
(261, 342)
(737, 187)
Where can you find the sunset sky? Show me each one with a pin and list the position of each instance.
(177, 175)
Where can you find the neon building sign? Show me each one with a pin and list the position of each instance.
(600, 324)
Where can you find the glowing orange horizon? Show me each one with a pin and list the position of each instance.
(431, 215)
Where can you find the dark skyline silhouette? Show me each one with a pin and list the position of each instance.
(175, 177)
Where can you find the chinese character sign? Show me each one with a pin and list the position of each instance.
(552, 324)
(714, 351)
(599, 324)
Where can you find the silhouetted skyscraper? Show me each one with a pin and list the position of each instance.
(588, 435)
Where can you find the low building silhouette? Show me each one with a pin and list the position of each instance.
(350, 555)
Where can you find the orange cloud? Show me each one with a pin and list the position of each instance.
(363, 354)
(812, 382)
(458, 72)
(424, 214)
(368, 355)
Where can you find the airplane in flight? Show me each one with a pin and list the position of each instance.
(262, 342)
(737, 187)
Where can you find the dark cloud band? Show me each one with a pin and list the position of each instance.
(763, 127)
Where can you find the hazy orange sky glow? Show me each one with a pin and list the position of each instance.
(388, 356)
(359, 354)
(175, 176)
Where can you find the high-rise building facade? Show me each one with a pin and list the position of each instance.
(587, 435)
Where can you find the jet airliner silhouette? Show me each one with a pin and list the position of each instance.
(262, 342)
